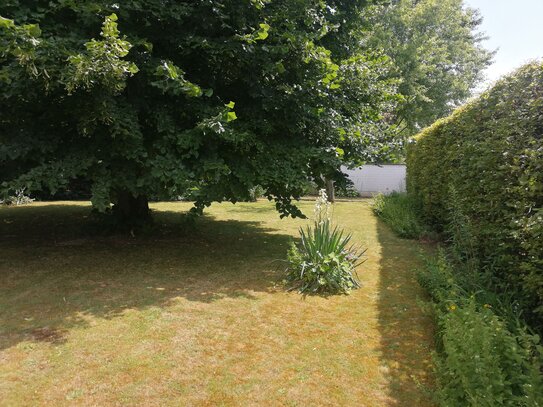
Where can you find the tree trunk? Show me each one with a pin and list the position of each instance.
(131, 210)
(330, 190)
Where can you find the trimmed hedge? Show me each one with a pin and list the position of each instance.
(489, 155)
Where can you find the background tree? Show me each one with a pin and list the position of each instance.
(438, 54)
(206, 97)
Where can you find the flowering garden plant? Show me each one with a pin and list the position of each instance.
(324, 261)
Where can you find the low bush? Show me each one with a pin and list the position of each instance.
(256, 192)
(483, 363)
(348, 191)
(18, 199)
(486, 355)
(325, 261)
(400, 213)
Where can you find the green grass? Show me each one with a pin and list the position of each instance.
(198, 316)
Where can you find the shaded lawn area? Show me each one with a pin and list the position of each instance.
(198, 316)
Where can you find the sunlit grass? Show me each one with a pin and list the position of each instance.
(198, 315)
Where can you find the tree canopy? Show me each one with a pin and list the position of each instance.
(164, 98)
(438, 55)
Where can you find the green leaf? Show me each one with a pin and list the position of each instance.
(33, 30)
(133, 69)
(6, 23)
(231, 116)
(262, 34)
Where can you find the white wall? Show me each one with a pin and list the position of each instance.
(372, 179)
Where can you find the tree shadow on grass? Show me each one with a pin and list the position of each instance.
(55, 270)
(406, 330)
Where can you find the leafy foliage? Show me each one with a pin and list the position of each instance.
(486, 356)
(324, 262)
(177, 98)
(485, 165)
(255, 193)
(437, 52)
(18, 199)
(348, 190)
(400, 212)
(484, 364)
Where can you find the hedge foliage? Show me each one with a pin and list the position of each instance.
(489, 155)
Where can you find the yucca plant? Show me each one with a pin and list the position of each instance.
(324, 261)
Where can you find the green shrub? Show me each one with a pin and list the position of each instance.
(324, 261)
(485, 354)
(400, 213)
(489, 155)
(482, 363)
(348, 191)
(18, 199)
(449, 283)
(256, 192)
(441, 282)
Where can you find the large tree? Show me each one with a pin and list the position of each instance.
(438, 54)
(161, 98)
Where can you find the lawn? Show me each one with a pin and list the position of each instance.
(197, 315)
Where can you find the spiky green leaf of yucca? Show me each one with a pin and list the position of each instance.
(324, 261)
